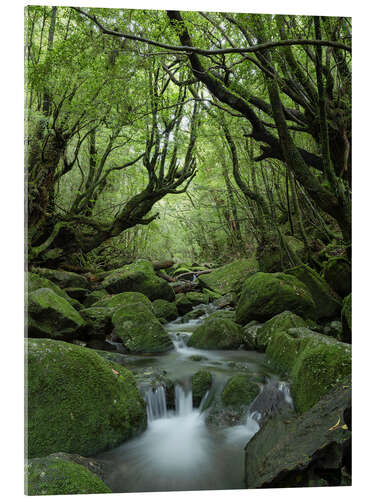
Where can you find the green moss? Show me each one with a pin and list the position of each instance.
(328, 304)
(210, 294)
(54, 476)
(239, 390)
(271, 255)
(50, 315)
(140, 330)
(183, 304)
(165, 309)
(138, 277)
(64, 279)
(230, 277)
(201, 383)
(77, 401)
(94, 297)
(266, 294)
(318, 368)
(98, 321)
(217, 332)
(197, 298)
(338, 273)
(282, 321)
(123, 299)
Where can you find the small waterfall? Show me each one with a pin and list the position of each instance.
(183, 400)
(284, 387)
(156, 403)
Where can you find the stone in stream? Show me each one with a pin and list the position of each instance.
(77, 401)
(197, 298)
(63, 474)
(230, 277)
(140, 330)
(313, 362)
(217, 332)
(164, 309)
(201, 383)
(346, 319)
(282, 321)
(138, 277)
(308, 450)
(266, 294)
(240, 390)
(51, 316)
(183, 304)
(328, 303)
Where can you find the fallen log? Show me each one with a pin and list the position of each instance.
(191, 274)
(162, 264)
(165, 277)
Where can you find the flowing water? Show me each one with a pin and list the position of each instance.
(179, 451)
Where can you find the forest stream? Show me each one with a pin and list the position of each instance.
(179, 451)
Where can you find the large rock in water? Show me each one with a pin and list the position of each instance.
(164, 309)
(217, 332)
(240, 390)
(230, 277)
(140, 330)
(57, 475)
(50, 315)
(282, 321)
(308, 450)
(200, 384)
(266, 294)
(77, 401)
(138, 277)
(328, 304)
(313, 362)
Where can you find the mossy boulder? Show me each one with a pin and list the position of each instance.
(34, 282)
(346, 319)
(210, 294)
(98, 322)
(240, 390)
(77, 293)
(197, 298)
(64, 279)
(250, 333)
(164, 309)
(113, 302)
(53, 475)
(194, 314)
(230, 277)
(93, 297)
(77, 401)
(50, 315)
(313, 362)
(282, 321)
(140, 330)
(229, 299)
(217, 332)
(183, 304)
(266, 294)
(201, 383)
(328, 304)
(138, 277)
(338, 273)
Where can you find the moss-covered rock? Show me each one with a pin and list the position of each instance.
(210, 294)
(34, 282)
(266, 294)
(138, 277)
(328, 304)
(201, 383)
(64, 279)
(124, 299)
(98, 322)
(197, 298)
(183, 304)
(314, 363)
(346, 319)
(94, 297)
(240, 390)
(217, 332)
(194, 314)
(319, 367)
(229, 299)
(164, 309)
(77, 401)
(53, 475)
(282, 321)
(230, 277)
(50, 315)
(77, 293)
(338, 273)
(139, 329)
(250, 333)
